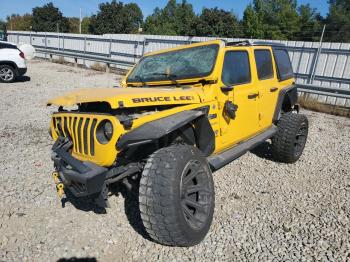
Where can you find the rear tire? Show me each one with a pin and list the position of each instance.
(289, 141)
(176, 196)
(7, 74)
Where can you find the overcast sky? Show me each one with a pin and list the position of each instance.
(71, 7)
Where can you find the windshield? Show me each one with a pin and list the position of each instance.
(174, 65)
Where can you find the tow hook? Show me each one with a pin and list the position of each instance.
(59, 184)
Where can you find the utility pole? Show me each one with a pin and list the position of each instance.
(80, 21)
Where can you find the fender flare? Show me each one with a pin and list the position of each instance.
(287, 97)
(154, 130)
(10, 63)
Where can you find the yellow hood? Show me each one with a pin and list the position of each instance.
(130, 97)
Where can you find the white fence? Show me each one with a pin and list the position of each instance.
(325, 77)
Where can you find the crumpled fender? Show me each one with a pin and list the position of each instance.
(154, 130)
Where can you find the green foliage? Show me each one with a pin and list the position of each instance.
(2, 25)
(174, 19)
(115, 17)
(262, 19)
(338, 21)
(271, 19)
(47, 17)
(218, 22)
(85, 25)
(253, 26)
(74, 23)
(19, 22)
(310, 23)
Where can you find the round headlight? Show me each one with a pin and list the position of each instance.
(108, 130)
(104, 131)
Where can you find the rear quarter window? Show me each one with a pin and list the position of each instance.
(284, 66)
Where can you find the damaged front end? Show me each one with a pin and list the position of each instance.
(97, 143)
(85, 154)
(84, 178)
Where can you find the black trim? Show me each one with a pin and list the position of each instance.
(152, 131)
(267, 43)
(205, 136)
(220, 160)
(289, 93)
(81, 178)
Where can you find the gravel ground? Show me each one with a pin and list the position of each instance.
(264, 210)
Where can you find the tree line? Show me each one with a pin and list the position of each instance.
(262, 19)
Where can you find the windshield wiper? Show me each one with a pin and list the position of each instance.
(171, 77)
(144, 84)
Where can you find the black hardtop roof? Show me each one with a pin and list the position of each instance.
(253, 43)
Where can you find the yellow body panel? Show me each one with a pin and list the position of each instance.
(252, 117)
(103, 154)
(128, 96)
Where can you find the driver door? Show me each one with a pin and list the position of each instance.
(236, 72)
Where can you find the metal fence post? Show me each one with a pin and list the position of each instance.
(84, 49)
(144, 46)
(319, 50)
(135, 48)
(108, 65)
(110, 47)
(45, 45)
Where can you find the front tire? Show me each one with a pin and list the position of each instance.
(289, 141)
(7, 74)
(176, 196)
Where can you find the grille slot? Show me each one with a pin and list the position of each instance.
(92, 133)
(75, 134)
(81, 130)
(85, 136)
(80, 142)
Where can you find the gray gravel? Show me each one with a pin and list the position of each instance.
(264, 210)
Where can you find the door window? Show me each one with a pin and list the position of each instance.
(263, 64)
(236, 69)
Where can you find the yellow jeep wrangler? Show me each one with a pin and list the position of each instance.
(180, 114)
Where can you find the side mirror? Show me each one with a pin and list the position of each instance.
(226, 88)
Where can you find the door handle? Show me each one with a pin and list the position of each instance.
(273, 89)
(252, 96)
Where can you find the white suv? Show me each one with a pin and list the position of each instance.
(12, 62)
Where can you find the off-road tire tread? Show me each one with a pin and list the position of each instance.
(283, 140)
(155, 199)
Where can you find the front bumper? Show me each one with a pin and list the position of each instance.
(81, 178)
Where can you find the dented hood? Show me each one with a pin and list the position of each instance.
(130, 97)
